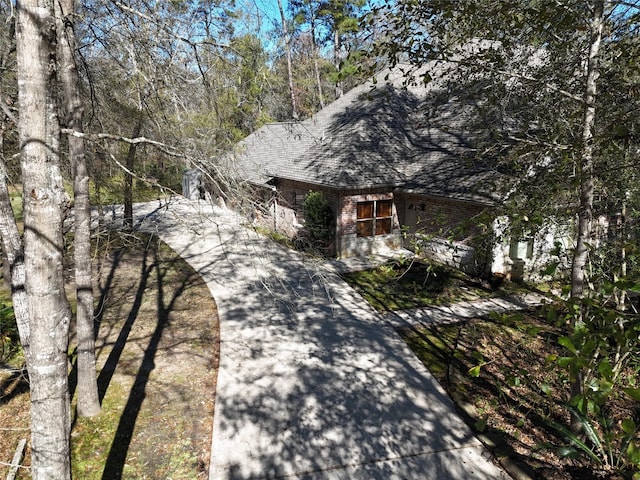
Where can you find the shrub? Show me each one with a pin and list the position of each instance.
(318, 221)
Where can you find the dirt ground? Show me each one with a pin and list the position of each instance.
(157, 355)
(516, 396)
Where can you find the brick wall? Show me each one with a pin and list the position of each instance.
(292, 194)
(349, 244)
(344, 206)
(411, 214)
(291, 197)
(348, 205)
(438, 216)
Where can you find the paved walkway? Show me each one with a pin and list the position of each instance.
(313, 384)
(462, 311)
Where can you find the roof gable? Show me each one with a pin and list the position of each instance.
(380, 134)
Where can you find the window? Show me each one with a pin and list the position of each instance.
(521, 249)
(298, 201)
(374, 218)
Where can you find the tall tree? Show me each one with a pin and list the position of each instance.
(43, 199)
(311, 71)
(88, 399)
(585, 163)
(287, 49)
(341, 21)
(13, 249)
(11, 240)
(241, 102)
(8, 84)
(130, 166)
(535, 66)
(305, 12)
(155, 72)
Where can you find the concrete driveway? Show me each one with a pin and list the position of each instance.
(313, 383)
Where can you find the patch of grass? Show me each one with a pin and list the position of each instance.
(91, 437)
(112, 191)
(400, 286)
(434, 347)
(16, 204)
(14, 420)
(166, 455)
(183, 462)
(169, 387)
(10, 348)
(277, 237)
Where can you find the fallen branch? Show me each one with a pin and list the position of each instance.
(17, 458)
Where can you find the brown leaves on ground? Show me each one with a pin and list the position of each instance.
(14, 415)
(157, 354)
(498, 371)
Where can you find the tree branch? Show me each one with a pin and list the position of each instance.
(7, 111)
(132, 141)
(551, 87)
(178, 37)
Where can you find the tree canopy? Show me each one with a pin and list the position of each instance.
(557, 86)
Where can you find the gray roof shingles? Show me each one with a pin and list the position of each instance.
(376, 135)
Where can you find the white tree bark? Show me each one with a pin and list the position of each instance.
(11, 239)
(12, 246)
(88, 398)
(336, 61)
(585, 212)
(316, 56)
(287, 49)
(43, 197)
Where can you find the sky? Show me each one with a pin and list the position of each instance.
(269, 17)
(269, 8)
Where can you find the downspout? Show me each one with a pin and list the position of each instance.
(338, 228)
(274, 193)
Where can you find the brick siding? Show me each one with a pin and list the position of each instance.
(438, 216)
(434, 216)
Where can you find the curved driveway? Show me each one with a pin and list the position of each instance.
(312, 382)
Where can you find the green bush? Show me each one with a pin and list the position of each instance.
(318, 221)
(601, 355)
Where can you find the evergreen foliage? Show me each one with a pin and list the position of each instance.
(318, 220)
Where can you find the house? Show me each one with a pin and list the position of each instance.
(396, 163)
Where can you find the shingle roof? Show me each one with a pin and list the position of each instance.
(379, 134)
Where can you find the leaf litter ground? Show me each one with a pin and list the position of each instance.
(157, 354)
(495, 369)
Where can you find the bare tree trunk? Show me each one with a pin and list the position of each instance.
(12, 247)
(316, 68)
(585, 213)
(4, 197)
(43, 197)
(128, 179)
(287, 49)
(623, 255)
(336, 62)
(88, 398)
